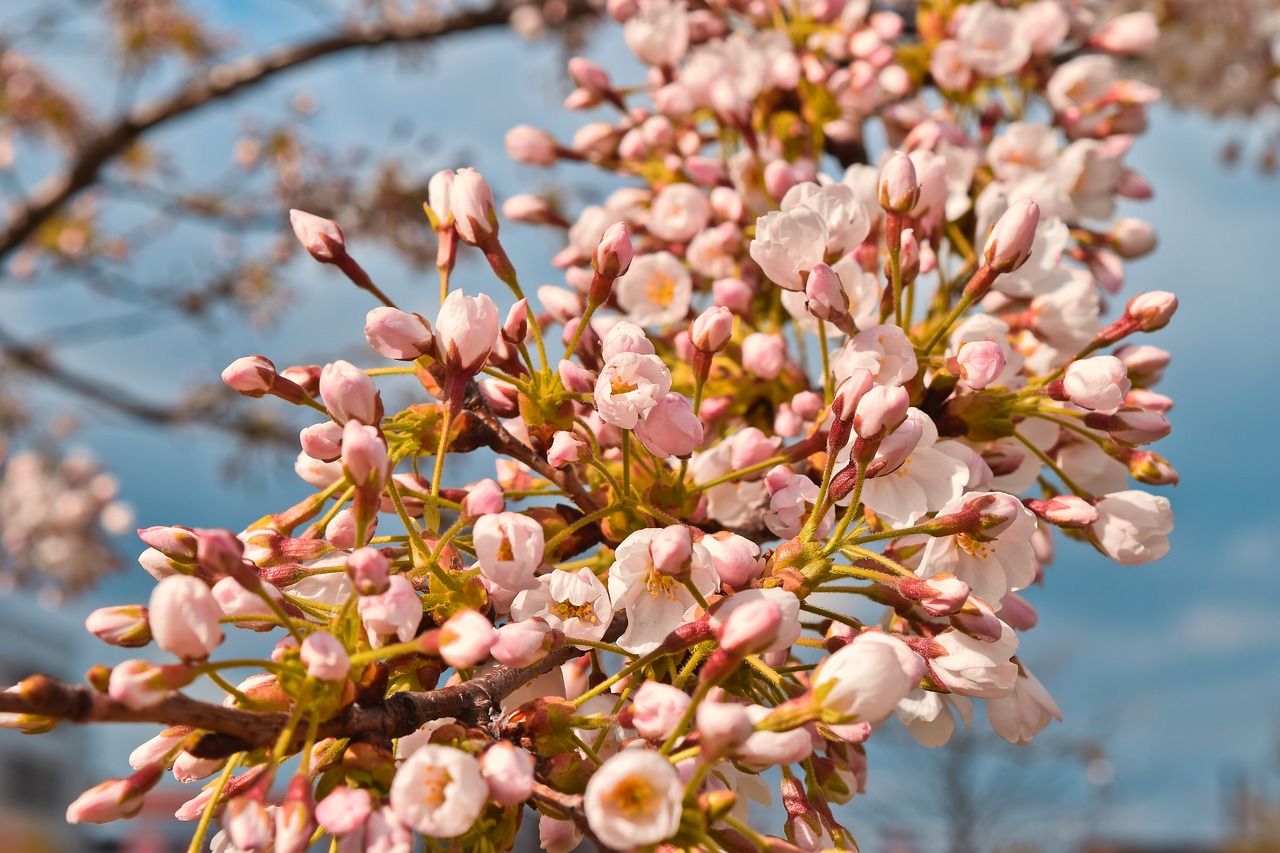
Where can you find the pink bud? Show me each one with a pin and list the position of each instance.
(712, 329)
(364, 456)
(1064, 510)
(1132, 33)
(483, 498)
(140, 684)
(566, 448)
(176, 543)
(980, 362)
(531, 146)
(893, 451)
(322, 441)
(996, 513)
(657, 709)
(764, 355)
(466, 638)
(344, 811)
(722, 726)
(251, 376)
(750, 628)
(778, 178)
(1131, 238)
(576, 379)
(369, 570)
(248, 824)
(899, 190)
(942, 594)
(398, 334)
(349, 394)
(671, 550)
(1009, 243)
(322, 238)
(612, 257)
(1100, 382)
(516, 327)
(1131, 426)
(589, 76)
(466, 329)
(825, 296)
(807, 404)
(523, 643)
(438, 189)
(850, 392)
(735, 558)
(219, 552)
(471, 202)
(295, 818)
(125, 626)
(670, 428)
(184, 617)
(1018, 613)
(324, 657)
(114, 798)
(1152, 310)
(508, 771)
(733, 294)
(341, 531)
(880, 411)
(502, 397)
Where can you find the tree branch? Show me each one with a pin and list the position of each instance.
(220, 82)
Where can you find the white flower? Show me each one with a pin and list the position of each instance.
(1004, 564)
(655, 603)
(629, 386)
(633, 800)
(930, 717)
(1133, 527)
(439, 791)
(976, 667)
(1020, 716)
(574, 602)
(789, 243)
(1043, 271)
(658, 33)
(678, 212)
(990, 40)
(509, 547)
(926, 481)
(846, 220)
(656, 290)
(791, 504)
(730, 503)
(863, 681)
(884, 350)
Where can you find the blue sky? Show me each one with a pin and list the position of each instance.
(1170, 665)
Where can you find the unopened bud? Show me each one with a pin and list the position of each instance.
(322, 238)
(899, 190)
(1009, 244)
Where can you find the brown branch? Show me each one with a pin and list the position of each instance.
(474, 702)
(223, 81)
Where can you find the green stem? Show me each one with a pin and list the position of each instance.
(206, 817)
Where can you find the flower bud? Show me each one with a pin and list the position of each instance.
(483, 497)
(712, 329)
(657, 709)
(364, 456)
(295, 818)
(466, 329)
(566, 448)
(324, 657)
(825, 295)
(722, 726)
(523, 643)
(1152, 310)
(398, 334)
(531, 146)
(252, 375)
(471, 202)
(466, 639)
(114, 798)
(184, 618)
(980, 363)
(140, 684)
(611, 259)
(508, 771)
(1009, 244)
(369, 570)
(349, 394)
(750, 628)
(438, 189)
(940, 595)
(576, 379)
(670, 428)
(344, 810)
(1131, 238)
(1131, 426)
(125, 626)
(322, 441)
(516, 327)
(880, 411)
(899, 190)
(322, 238)
(1064, 510)
(248, 824)
(1099, 382)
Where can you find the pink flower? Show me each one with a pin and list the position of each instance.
(509, 547)
(624, 336)
(722, 725)
(396, 611)
(1020, 715)
(656, 290)
(398, 334)
(575, 602)
(324, 657)
(634, 800)
(981, 363)
(670, 428)
(184, 618)
(439, 791)
(976, 667)
(466, 331)
(881, 411)
(1132, 33)
(864, 680)
(786, 603)
(789, 244)
(508, 771)
(735, 558)
(678, 212)
(992, 563)
(629, 386)
(466, 638)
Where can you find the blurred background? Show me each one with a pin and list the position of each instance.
(149, 152)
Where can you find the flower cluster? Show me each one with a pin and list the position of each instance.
(781, 388)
